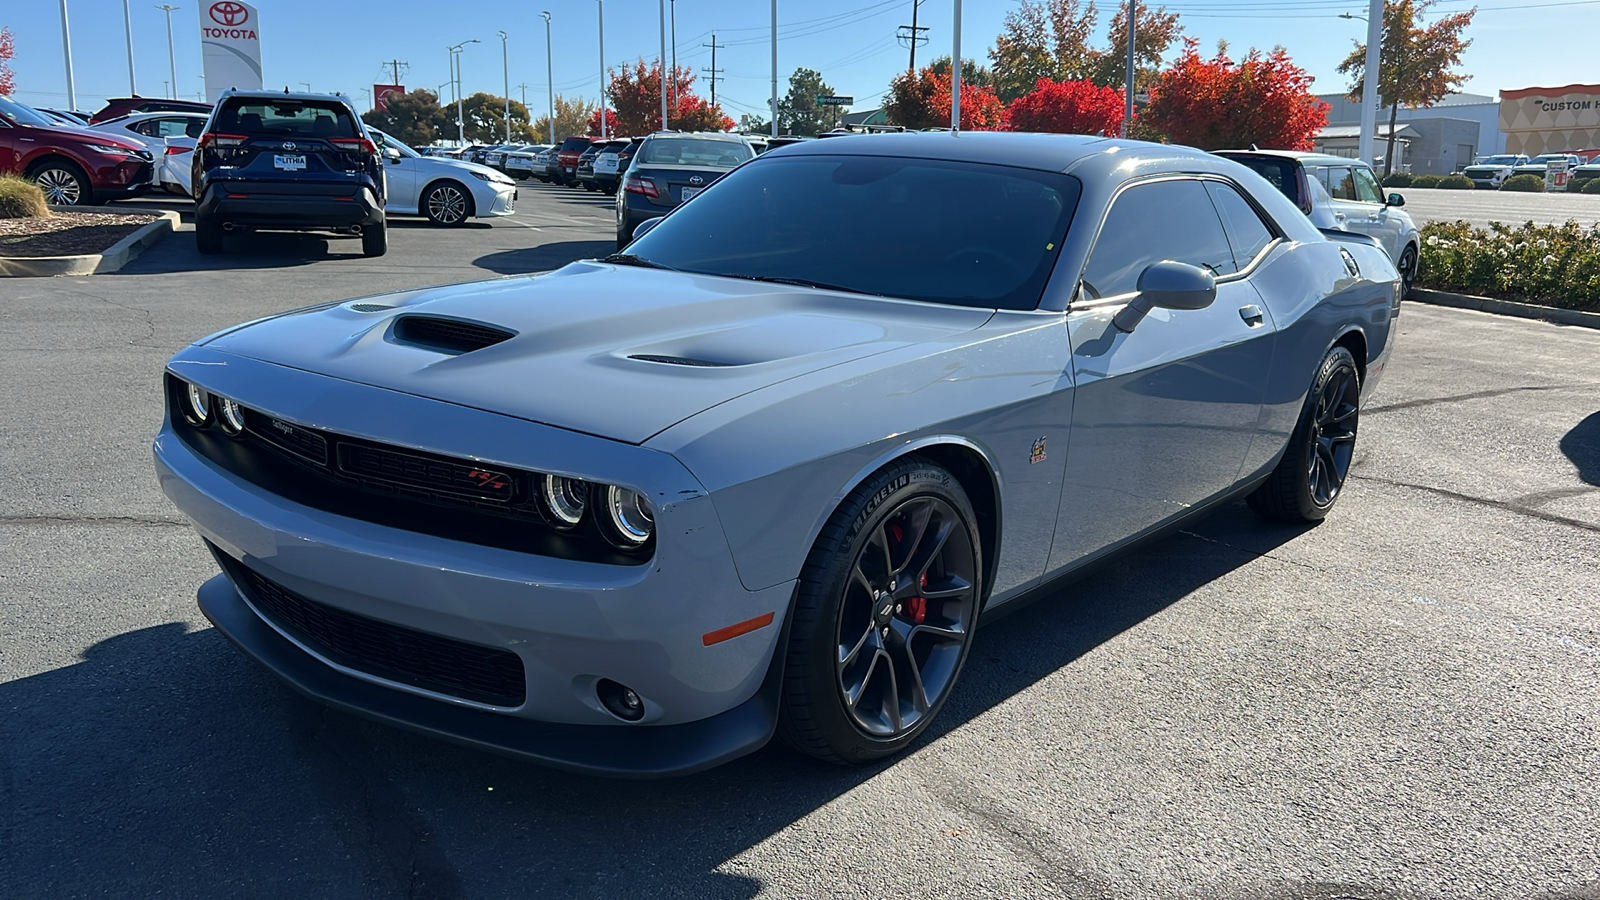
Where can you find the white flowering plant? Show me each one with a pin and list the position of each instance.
(1552, 265)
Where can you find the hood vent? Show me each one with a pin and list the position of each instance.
(369, 307)
(678, 360)
(448, 335)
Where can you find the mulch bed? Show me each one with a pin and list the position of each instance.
(67, 233)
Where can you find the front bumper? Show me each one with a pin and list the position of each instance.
(569, 622)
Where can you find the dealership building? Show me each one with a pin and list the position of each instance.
(1539, 120)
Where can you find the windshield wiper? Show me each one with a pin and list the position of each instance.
(628, 259)
(804, 282)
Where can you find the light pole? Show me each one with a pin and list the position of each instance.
(955, 71)
(172, 65)
(1369, 79)
(127, 24)
(1127, 111)
(66, 47)
(663, 11)
(549, 77)
(672, 16)
(455, 56)
(505, 73)
(774, 109)
(307, 84)
(603, 130)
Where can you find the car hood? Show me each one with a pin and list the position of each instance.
(88, 135)
(453, 164)
(619, 352)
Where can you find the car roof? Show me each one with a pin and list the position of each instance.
(1305, 158)
(699, 136)
(282, 95)
(1046, 152)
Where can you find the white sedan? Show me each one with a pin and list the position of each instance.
(447, 191)
(169, 136)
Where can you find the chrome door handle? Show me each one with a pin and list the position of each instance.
(1251, 314)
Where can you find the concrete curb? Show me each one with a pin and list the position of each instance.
(115, 257)
(1507, 308)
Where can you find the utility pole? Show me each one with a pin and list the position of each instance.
(66, 46)
(172, 66)
(523, 87)
(1127, 113)
(395, 65)
(127, 24)
(549, 77)
(775, 65)
(505, 74)
(955, 72)
(713, 74)
(911, 36)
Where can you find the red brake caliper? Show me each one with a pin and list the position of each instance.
(917, 607)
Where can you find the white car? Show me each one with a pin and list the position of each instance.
(170, 138)
(519, 162)
(447, 191)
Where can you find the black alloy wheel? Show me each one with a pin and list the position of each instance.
(884, 616)
(1315, 465)
(1408, 270)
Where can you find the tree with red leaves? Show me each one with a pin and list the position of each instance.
(923, 101)
(8, 78)
(1262, 101)
(635, 106)
(1068, 107)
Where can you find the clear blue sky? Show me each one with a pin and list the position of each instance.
(341, 46)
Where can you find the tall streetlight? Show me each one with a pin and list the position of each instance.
(172, 65)
(127, 24)
(549, 76)
(66, 47)
(455, 58)
(603, 131)
(775, 67)
(505, 72)
(1127, 112)
(672, 16)
(663, 10)
(1369, 79)
(955, 71)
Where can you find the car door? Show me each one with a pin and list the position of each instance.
(402, 176)
(1163, 416)
(1376, 219)
(1340, 183)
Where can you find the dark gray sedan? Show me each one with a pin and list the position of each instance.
(669, 168)
(766, 472)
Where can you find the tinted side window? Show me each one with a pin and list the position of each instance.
(1149, 223)
(146, 128)
(1367, 189)
(1246, 232)
(1341, 183)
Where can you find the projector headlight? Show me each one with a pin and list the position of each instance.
(230, 415)
(196, 405)
(565, 499)
(629, 517)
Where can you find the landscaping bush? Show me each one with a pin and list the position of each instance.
(1590, 186)
(1527, 184)
(21, 199)
(1425, 181)
(1456, 183)
(1553, 265)
(1397, 179)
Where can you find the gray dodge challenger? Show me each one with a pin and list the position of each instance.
(765, 471)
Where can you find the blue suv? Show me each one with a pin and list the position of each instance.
(299, 162)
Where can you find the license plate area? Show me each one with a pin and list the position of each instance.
(292, 162)
(687, 193)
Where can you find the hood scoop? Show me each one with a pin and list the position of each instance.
(679, 360)
(453, 336)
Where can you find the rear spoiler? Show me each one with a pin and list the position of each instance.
(1349, 237)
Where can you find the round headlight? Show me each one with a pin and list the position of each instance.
(230, 415)
(629, 515)
(565, 498)
(196, 405)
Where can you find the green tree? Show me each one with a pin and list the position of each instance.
(971, 72)
(1153, 33)
(1418, 61)
(754, 124)
(1042, 39)
(798, 111)
(413, 118)
(572, 117)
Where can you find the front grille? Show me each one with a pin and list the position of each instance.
(391, 652)
(429, 474)
(447, 335)
(291, 438)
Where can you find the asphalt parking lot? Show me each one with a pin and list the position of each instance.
(1482, 207)
(1403, 702)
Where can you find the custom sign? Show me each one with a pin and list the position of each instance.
(231, 46)
(1550, 120)
(835, 101)
(381, 94)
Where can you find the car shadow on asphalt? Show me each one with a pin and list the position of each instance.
(166, 759)
(256, 250)
(543, 257)
(1581, 446)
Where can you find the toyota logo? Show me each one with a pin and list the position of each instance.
(227, 12)
(696, 179)
(288, 145)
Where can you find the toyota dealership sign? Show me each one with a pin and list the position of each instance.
(232, 47)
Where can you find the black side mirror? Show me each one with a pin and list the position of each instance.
(1167, 285)
(1395, 200)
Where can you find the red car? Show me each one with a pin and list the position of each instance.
(567, 157)
(122, 106)
(73, 166)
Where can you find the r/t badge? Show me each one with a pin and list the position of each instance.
(1037, 454)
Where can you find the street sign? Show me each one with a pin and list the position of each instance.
(835, 101)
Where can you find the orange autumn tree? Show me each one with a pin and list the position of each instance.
(923, 101)
(635, 103)
(1261, 100)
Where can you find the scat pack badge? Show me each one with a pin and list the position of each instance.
(1037, 455)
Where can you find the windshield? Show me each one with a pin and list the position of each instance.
(1499, 161)
(943, 232)
(693, 152)
(301, 118)
(23, 115)
(1548, 158)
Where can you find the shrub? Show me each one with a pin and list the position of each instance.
(1554, 265)
(1397, 179)
(21, 199)
(1425, 181)
(1526, 184)
(1590, 186)
(1456, 183)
